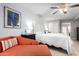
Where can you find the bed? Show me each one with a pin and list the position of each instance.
(56, 39)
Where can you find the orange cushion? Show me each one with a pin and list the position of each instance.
(26, 41)
(27, 50)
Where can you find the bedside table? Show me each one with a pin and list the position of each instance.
(31, 36)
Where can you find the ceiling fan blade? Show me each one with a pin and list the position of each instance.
(55, 12)
(76, 5)
(54, 7)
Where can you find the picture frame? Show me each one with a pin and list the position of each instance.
(12, 18)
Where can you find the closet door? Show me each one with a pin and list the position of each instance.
(53, 27)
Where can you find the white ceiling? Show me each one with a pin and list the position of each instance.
(44, 10)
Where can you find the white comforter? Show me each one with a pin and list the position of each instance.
(56, 39)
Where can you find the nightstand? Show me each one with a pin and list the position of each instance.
(31, 36)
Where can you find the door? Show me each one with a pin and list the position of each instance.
(66, 28)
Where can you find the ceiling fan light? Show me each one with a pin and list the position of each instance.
(60, 10)
(65, 9)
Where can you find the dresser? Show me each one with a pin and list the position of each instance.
(31, 36)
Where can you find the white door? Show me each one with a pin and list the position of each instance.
(66, 28)
(53, 27)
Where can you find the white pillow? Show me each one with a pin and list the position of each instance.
(39, 32)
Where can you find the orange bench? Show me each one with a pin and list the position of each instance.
(26, 47)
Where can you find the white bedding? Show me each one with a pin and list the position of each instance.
(56, 39)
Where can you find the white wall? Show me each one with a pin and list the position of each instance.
(39, 25)
(74, 25)
(26, 16)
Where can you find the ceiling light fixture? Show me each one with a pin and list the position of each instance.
(63, 8)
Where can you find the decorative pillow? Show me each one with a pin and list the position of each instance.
(14, 41)
(5, 44)
(8, 43)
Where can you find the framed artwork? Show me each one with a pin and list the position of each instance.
(12, 18)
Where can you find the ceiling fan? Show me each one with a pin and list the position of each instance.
(62, 8)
